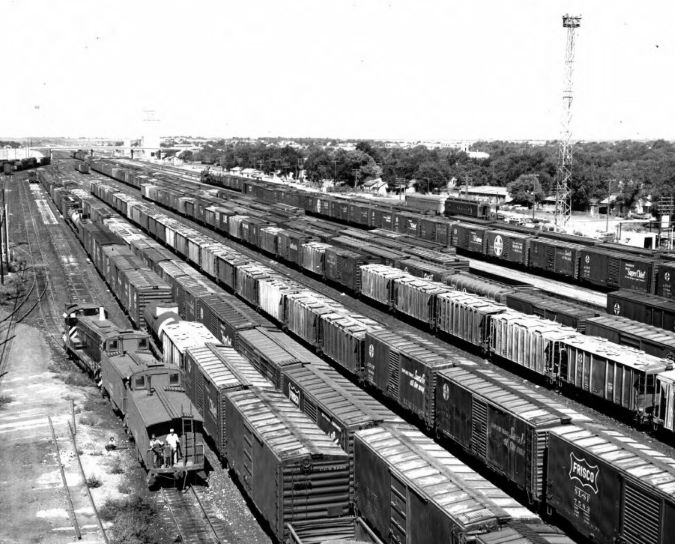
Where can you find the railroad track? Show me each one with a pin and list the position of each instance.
(82, 510)
(38, 258)
(195, 523)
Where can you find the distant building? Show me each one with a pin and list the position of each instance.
(488, 193)
(375, 185)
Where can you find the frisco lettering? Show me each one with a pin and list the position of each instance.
(585, 473)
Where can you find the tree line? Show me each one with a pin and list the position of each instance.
(629, 169)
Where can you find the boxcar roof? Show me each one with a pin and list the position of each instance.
(650, 300)
(185, 334)
(225, 368)
(626, 325)
(278, 346)
(632, 458)
(474, 301)
(438, 476)
(338, 396)
(522, 533)
(289, 433)
(163, 405)
(624, 355)
(520, 400)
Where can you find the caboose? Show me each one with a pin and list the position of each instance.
(148, 393)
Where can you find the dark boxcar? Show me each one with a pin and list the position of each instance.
(502, 423)
(288, 467)
(407, 223)
(270, 351)
(343, 339)
(469, 237)
(610, 487)
(471, 208)
(225, 316)
(512, 247)
(624, 331)
(336, 405)
(343, 267)
(561, 258)
(548, 307)
(142, 287)
(650, 309)
(615, 270)
(211, 371)
(665, 280)
(413, 490)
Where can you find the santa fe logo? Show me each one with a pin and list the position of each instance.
(584, 473)
(498, 245)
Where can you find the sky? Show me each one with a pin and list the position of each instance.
(381, 69)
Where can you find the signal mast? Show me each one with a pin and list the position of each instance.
(563, 207)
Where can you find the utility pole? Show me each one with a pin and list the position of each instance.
(563, 207)
(357, 175)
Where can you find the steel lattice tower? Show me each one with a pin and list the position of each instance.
(563, 207)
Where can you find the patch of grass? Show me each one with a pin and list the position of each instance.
(134, 519)
(116, 467)
(92, 404)
(93, 482)
(78, 379)
(12, 289)
(88, 419)
(125, 488)
(5, 399)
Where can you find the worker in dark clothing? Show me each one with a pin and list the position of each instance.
(156, 447)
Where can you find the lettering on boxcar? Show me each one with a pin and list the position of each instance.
(417, 381)
(581, 504)
(294, 394)
(513, 441)
(585, 473)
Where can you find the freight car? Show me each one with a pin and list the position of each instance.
(480, 323)
(395, 344)
(650, 309)
(147, 393)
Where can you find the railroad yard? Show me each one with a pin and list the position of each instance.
(335, 369)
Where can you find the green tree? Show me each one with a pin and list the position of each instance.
(526, 190)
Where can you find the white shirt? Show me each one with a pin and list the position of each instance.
(172, 440)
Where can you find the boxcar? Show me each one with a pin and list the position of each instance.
(288, 467)
(653, 310)
(270, 351)
(502, 423)
(621, 375)
(526, 533)
(349, 529)
(471, 238)
(610, 487)
(177, 337)
(624, 331)
(211, 371)
(471, 208)
(507, 246)
(411, 489)
(543, 305)
(555, 257)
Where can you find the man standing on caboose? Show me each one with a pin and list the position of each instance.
(173, 441)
